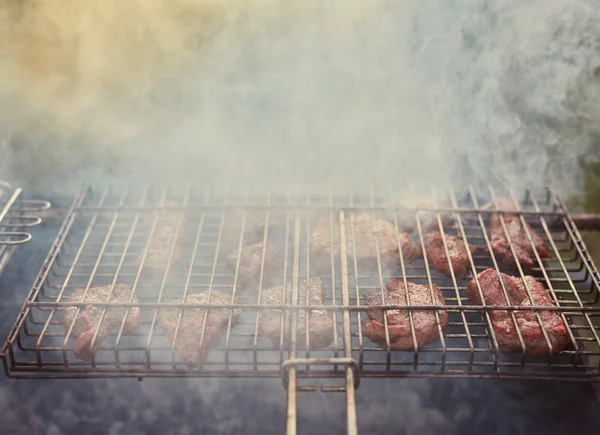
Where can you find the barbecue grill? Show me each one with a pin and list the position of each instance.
(106, 235)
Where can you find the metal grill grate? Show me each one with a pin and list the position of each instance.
(107, 233)
(17, 215)
(119, 236)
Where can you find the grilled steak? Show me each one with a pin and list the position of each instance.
(457, 251)
(89, 316)
(191, 346)
(250, 264)
(372, 238)
(398, 321)
(320, 323)
(504, 327)
(517, 236)
(159, 249)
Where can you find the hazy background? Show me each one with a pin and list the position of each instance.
(300, 91)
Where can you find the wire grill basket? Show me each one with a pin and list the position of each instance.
(117, 236)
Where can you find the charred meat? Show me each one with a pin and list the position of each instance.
(502, 323)
(458, 254)
(516, 234)
(88, 320)
(195, 338)
(426, 326)
(320, 323)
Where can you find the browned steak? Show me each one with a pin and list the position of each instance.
(191, 345)
(250, 265)
(320, 323)
(372, 238)
(88, 319)
(398, 321)
(517, 235)
(502, 323)
(165, 235)
(457, 254)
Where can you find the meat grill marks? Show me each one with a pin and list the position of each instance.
(191, 345)
(517, 235)
(320, 322)
(398, 321)
(529, 327)
(458, 256)
(372, 238)
(88, 319)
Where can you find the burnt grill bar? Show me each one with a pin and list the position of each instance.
(108, 236)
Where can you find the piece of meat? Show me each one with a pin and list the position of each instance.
(191, 345)
(251, 222)
(502, 323)
(517, 236)
(320, 323)
(398, 321)
(163, 238)
(88, 319)
(373, 238)
(235, 226)
(457, 251)
(250, 265)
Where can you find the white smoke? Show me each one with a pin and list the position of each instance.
(294, 91)
(306, 92)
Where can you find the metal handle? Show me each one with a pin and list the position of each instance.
(21, 221)
(24, 238)
(35, 205)
(587, 221)
(289, 378)
(351, 362)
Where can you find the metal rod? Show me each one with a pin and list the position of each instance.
(352, 426)
(583, 221)
(292, 405)
(586, 221)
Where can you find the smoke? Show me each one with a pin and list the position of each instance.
(300, 92)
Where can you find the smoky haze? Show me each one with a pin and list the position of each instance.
(300, 92)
